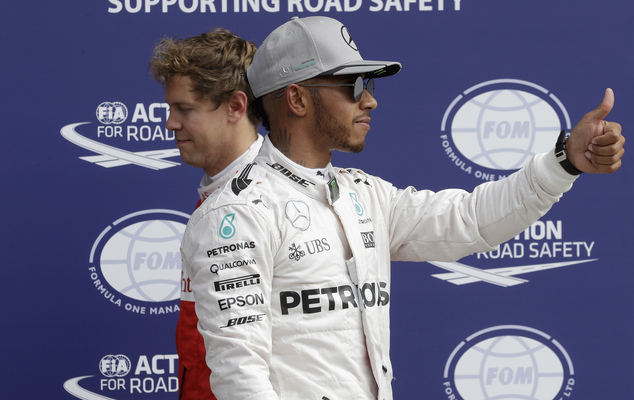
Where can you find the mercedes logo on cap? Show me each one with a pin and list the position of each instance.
(285, 71)
(348, 39)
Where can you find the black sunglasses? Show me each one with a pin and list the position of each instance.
(358, 86)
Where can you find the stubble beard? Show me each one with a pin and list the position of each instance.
(330, 127)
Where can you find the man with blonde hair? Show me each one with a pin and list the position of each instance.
(207, 91)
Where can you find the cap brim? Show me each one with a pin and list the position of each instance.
(372, 69)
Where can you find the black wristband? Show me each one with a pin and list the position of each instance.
(560, 153)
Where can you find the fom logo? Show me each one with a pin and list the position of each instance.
(500, 125)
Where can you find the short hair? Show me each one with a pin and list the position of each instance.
(262, 104)
(215, 61)
(257, 105)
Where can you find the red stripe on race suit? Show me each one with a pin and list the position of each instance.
(193, 373)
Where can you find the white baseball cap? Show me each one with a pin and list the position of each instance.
(304, 48)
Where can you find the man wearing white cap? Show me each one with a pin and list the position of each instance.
(291, 261)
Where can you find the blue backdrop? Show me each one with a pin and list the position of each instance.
(96, 198)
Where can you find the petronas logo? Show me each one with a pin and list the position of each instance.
(227, 229)
(357, 206)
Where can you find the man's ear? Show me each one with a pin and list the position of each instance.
(297, 99)
(237, 106)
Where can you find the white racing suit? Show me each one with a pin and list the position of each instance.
(193, 373)
(291, 273)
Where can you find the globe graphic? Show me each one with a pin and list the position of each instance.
(509, 368)
(115, 366)
(503, 129)
(142, 261)
(112, 113)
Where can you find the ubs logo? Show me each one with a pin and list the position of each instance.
(296, 252)
(314, 246)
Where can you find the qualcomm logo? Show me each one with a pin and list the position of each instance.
(499, 125)
(146, 126)
(508, 362)
(135, 262)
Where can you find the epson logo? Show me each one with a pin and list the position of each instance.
(236, 283)
(241, 301)
(230, 248)
(290, 175)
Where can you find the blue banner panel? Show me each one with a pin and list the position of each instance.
(97, 198)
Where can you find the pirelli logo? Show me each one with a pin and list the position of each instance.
(236, 283)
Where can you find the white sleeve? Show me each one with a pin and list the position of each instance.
(228, 252)
(450, 224)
